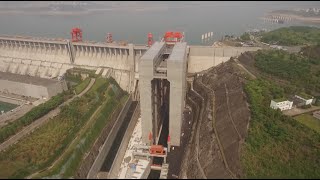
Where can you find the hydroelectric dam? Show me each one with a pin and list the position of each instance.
(51, 58)
(162, 68)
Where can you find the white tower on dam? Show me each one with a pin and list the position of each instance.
(162, 81)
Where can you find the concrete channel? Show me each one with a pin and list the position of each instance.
(116, 164)
(110, 140)
(111, 157)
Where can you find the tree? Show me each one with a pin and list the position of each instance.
(245, 37)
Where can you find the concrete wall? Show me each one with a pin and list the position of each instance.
(50, 58)
(32, 90)
(203, 57)
(12, 100)
(23, 89)
(113, 173)
(146, 73)
(56, 88)
(95, 168)
(177, 76)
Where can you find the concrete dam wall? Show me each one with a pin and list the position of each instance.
(203, 57)
(50, 59)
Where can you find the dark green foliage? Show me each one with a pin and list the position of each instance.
(245, 37)
(312, 53)
(294, 35)
(317, 103)
(306, 106)
(291, 67)
(35, 113)
(277, 146)
(73, 78)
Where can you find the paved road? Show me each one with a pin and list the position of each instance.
(40, 121)
(297, 111)
(11, 116)
(239, 64)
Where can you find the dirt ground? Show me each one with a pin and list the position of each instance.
(221, 116)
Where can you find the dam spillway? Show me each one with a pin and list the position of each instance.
(51, 58)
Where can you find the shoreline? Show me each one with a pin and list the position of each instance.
(296, 17)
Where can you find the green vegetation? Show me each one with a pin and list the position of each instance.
(4, 106)
(35, 113)
(312, 53)
(75, 78)
(245, 37)
(47, 143)
(277, 146)
(79, 88)
(280, 99)
(309, 121)
(317, 103)
(294, 35)
(71, 160)
(74, 74)
(295, 68)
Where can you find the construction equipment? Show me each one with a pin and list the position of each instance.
(157, 149)
(173, 37)
(76, 34)
(150, 39)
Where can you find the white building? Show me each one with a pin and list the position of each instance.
(307, 99)
(281, 104)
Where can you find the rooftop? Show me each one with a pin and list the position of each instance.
(304, 95)
(280, 99)
(153, 51)
(178, 52)
(26, 79)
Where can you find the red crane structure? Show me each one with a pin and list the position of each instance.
(76, 34)
(109, 38)
(173, 37)
(150, 39)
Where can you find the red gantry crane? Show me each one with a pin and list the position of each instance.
(76, 34)
(173, 37)
(150, 39)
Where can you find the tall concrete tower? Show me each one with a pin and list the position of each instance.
(162, 83)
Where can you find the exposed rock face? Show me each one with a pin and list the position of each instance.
(221, 116)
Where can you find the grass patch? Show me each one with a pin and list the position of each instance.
(79, 88)
(12, 128)
(39, 149)
(309, 121)
(72, 159)
(294, 35)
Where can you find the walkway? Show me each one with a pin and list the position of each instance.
(297, 111)
(40, 121)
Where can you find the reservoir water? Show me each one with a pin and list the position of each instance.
(221, 18)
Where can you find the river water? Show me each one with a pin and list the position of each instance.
(221, 18)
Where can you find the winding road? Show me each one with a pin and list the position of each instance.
(37, 123)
